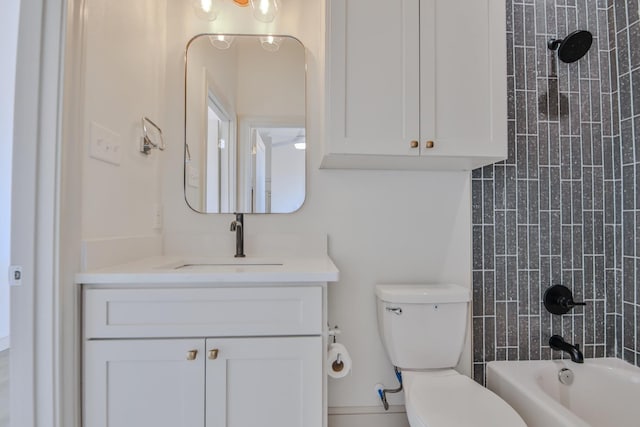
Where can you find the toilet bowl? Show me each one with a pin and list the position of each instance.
(449, 399)
(423, 330)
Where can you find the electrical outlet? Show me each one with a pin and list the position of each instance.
(105, 145)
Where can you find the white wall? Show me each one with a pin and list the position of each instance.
(8, 46)
(383, 226)
(124, 81)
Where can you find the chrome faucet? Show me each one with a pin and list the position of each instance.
(556, 342)
(238, 227)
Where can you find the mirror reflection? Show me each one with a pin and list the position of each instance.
(245, 136)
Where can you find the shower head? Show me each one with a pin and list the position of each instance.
(573, 47)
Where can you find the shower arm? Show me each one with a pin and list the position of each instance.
(554, 43)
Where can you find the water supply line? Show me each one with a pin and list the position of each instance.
(382, 391)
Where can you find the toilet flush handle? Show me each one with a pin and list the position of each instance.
(395, 310)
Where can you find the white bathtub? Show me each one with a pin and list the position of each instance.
(605, 392)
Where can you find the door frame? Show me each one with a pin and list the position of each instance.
(38, 382)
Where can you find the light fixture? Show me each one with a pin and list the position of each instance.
(265, 10)
(300, 145)
(221, 41)
(206, 9)
(270, 43)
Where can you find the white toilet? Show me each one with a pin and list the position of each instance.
(423, 330)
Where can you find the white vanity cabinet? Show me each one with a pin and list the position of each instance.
(415, 84)
(204, 356)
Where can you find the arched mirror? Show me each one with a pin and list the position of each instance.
(245, 135)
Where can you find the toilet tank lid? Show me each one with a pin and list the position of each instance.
(420, 294)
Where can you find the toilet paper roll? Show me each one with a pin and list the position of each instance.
(338, 361)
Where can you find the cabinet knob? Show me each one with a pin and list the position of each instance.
(414, 144)
(429, 144)
(192, 354)
(213, 354)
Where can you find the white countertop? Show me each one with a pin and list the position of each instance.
(185, 270)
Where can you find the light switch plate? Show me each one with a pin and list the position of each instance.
(105, 145)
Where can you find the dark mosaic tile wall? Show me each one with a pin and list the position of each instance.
(556, 211)
(624, 25)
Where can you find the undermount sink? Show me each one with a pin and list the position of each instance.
(207, 265)
(204, 264)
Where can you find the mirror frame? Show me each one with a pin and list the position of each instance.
(249, 122)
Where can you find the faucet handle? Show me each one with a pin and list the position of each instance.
(571, 303)
(558, 299)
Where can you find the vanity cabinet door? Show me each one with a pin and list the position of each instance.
(135, 383)
(267, 382)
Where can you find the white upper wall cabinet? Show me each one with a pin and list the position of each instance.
(415, 84)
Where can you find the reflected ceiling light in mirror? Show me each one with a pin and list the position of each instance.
(221, 41)
(265, 10)
(205, 9)
(270, 43)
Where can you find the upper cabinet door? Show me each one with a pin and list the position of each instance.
(373, 76)
(413, 77)
(463, 78)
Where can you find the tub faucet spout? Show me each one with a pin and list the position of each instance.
(556, 342)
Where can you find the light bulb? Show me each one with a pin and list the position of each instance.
(270, 43)
(221, 41)
(205, 9)
(265, 10)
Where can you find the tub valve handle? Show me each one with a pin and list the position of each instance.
(559, 300)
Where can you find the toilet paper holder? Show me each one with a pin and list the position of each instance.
(337, 365)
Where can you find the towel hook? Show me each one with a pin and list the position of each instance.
(146, 144)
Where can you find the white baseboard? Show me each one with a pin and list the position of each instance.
(5, 342)
(368, 416)
(368, 410)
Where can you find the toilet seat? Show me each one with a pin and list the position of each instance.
(445, 398)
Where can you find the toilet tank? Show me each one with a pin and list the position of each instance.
(423, 326)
